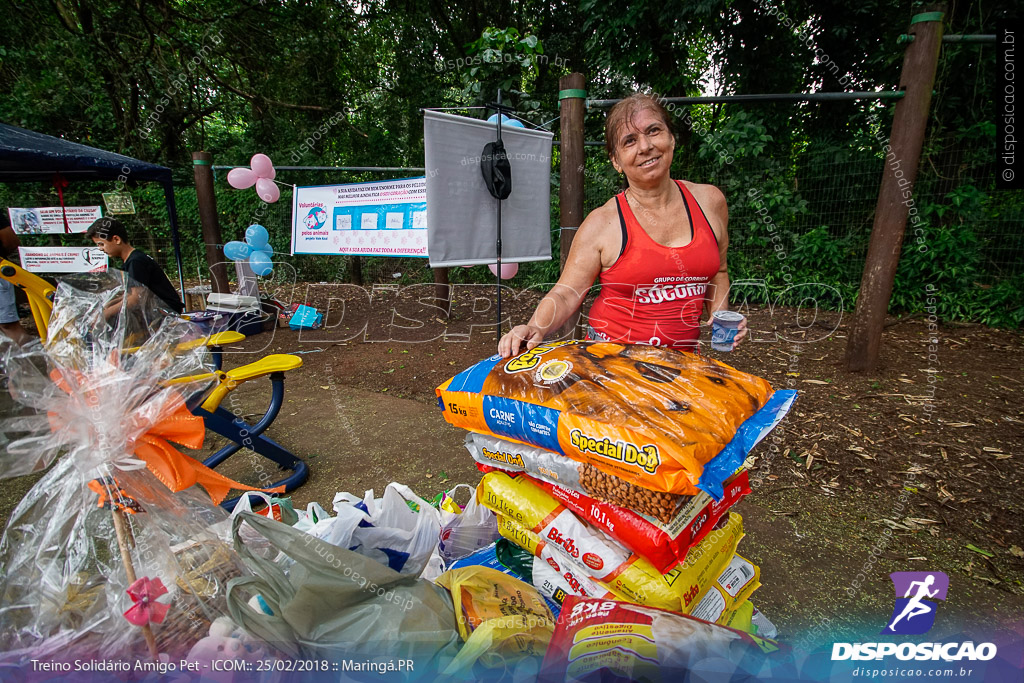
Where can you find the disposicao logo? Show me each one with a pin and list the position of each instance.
(914, 614)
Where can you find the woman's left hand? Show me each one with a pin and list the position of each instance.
(741, 333)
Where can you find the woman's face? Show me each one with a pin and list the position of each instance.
(644, 148)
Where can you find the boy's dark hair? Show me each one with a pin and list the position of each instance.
(107, 228)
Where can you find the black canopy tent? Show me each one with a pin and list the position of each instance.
(27, 156)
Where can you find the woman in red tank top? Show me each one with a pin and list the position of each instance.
(659, 248)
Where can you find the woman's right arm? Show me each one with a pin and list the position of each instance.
(581, 269)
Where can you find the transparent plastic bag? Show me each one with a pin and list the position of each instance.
(112, 553)
(466, 531)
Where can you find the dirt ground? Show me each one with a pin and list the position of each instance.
(927, 447)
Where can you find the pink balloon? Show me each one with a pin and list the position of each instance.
(267, 190)
(262, 166)
(241, 178)
(508, 270)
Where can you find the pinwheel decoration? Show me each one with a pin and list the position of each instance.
(146, 609)
(255, 248)
(261, 173)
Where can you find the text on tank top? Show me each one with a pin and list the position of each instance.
(654, 294)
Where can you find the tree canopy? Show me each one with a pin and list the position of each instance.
(158, 79)
(342, 82)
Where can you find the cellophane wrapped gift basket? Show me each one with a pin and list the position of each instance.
(117, 551)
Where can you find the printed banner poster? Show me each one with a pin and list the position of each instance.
(380, 218)
(62, 259)
(50, 219)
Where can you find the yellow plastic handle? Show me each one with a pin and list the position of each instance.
(224, 338)
(277, 362)
(38, 291)
(218, 339)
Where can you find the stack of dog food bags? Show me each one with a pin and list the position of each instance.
(615, 467)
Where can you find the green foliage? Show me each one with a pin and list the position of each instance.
(819, 260)
(743, 136)
(501, 59)
(1001, 304)
(943, 271)
(624, 44)
(779, 238)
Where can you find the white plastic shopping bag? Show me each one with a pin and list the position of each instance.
(310, 517)
(276, 508)
(399, 530)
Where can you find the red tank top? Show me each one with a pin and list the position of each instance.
(654, 294)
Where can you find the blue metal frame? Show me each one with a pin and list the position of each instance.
(218, 357)
(243, 435)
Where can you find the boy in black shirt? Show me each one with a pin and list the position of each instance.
(110, 235)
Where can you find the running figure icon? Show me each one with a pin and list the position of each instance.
(915, 607)
(914, 611)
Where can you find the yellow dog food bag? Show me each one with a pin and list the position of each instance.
(501, 618)
(481, 593)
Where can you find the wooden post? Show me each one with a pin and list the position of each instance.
(355, 270)
(572, 98)
(124, 540)
(442, 290)
(895, 193)
(202, 167)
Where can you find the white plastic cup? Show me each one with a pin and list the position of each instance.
(724, 327)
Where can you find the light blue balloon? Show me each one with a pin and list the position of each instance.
(506, 121)
(260, 263)
(257, 236)
(237, 251)
(269, 249)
